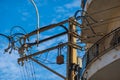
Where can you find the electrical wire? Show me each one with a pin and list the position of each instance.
(104, 10)
(31, 67)
(104, 22)
(27, 71)
(11, 38)
(21, 73)
(45, 60)
(85, 17)
(33, 70)
(7, 37)
(9, 42)
(30, 70)
(24, 73)
(98, 23)
(17, 27)
(98, 12)
(91, 28)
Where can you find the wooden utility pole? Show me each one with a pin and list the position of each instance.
(72, 66)
(72, 56)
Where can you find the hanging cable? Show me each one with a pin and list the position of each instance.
(105, 10)
(37, 13)
(24, 73)
(83, 15)
(17, 27)
(90, 26)
(27, 71)
(21, 73)
(32, 70)
(43, 60)
(9, 42)
(46, 57)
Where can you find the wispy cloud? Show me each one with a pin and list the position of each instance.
(74, 4)
(9, 67)
(60, 9)
(11, 70)
(67, 10)
(66, 7)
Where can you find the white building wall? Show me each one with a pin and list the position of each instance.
(102, 61)
(115, 22)
(108, 57)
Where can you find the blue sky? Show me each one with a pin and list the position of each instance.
(22, 13)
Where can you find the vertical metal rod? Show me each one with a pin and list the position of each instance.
(38, 19)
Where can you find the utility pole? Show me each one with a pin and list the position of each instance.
(72, 56)
(72, 66)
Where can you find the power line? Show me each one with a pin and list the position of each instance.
(24, 73)
(21, 73)
(32, 70)
(104, 22)
(27, 71)
(104, 10)
(17, 27)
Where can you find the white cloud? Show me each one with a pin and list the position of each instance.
(38, 3)
(60, 9)
(23, 18)
(54, 21)
(74, 4)
(67, 10)
(9, 67)
(11, 70)
(25, 13)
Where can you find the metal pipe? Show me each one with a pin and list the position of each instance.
(37, 13)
